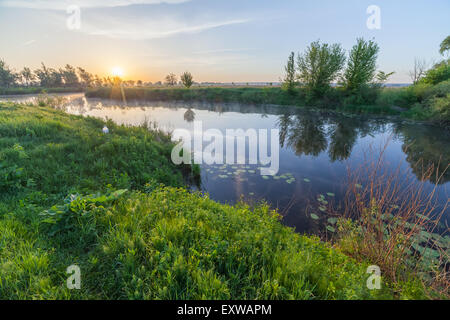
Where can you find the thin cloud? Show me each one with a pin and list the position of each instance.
(206, 52)
(64, 4)
(156, 31)
(29, 42)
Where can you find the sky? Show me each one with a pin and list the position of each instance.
(216, 40)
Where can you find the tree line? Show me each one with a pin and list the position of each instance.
(47, 77)
(74, 77)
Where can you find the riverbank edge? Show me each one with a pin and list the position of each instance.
(38, 90)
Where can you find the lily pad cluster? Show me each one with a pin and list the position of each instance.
(286, 177)
(226, 171)
(323, 202)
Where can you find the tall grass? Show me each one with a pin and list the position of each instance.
(389, 218)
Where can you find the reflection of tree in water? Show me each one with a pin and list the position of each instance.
(305, 134)
(426, 146)
(311, 133)
(283, 124)
(343, 135)
(189, 115)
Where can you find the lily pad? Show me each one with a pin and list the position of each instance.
(331, 229)
(314, 216)
(306, 180)
(330, 194)
(332, 220)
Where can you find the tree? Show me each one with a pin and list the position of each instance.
(187, 79)
(319, 65)
(445, 46)
(289, 77)
(171, 79)
(361, 66)
(49, 77)
(98, 82)
(7, 75)
(420, 67)
(116, 81)
(69, 75)
(129, 83)
(27, 76)
(43, 75)
(85, 77)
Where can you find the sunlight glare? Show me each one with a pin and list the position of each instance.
(117, 72)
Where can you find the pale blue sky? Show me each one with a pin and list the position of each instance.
(217, 40)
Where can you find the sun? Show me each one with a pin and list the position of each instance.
(117, 72)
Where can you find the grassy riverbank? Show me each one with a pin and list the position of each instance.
(424, 102)
(135, 239)
(37, 90)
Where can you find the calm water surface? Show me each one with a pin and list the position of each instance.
(316, 149)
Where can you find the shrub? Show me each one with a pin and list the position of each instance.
(187, 79)
(440, 107)
(439, 73)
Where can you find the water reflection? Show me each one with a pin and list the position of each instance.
(189, 115)
(343, 137)
(426, 146)
(313, 133)
(305, 134)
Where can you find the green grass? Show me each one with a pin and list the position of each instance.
(136, 239)
(268, 95)
(37, 90)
